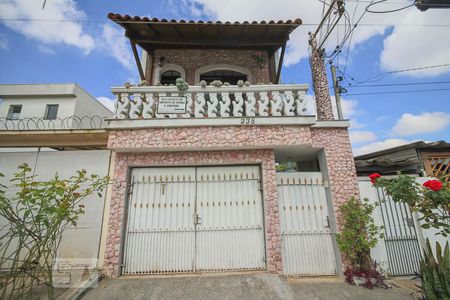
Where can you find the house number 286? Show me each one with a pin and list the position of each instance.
(247, 121)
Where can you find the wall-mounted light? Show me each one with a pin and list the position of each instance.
(162, 59)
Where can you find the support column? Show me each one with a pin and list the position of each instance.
(320, 82)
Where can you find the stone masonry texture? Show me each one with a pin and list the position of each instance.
(193, 59)
(220, 146)
(320, 83)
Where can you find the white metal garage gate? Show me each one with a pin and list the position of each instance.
(307, 241)
(193, 219)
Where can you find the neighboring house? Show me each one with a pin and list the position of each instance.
(36, 118)
(400, 251)
(195, 182)
(49, 106)
(421, 158)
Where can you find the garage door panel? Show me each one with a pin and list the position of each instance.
(229, 232)
(160, 212)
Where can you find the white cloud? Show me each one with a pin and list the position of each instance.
(4, 44)
(309, 11)
(45, 49)
(360, 136)
(381, 145)
(405, 47)
(116, 45)
(107, 102)
(417, 46)
(46, 32)
(426, 122)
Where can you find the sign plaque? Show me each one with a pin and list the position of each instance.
(172, 105)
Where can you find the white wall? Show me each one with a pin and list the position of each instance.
(35, 107)
(80, 245)
(71, 98)
(86, 105)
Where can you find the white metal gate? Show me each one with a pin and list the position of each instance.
(402, 245)
(307, 240)
(194, 219)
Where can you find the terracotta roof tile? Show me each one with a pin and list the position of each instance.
(125, 18)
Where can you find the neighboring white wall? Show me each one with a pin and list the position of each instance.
(80, 245)
(72, 101)
(86, 105)
(35, 107)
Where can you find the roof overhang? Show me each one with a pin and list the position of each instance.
(76, 139)
(154, 33)
(37, 90)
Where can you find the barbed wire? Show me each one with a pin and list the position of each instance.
(39, 123)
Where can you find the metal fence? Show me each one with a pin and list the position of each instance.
(67, 123)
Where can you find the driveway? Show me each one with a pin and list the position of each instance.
(248, 286)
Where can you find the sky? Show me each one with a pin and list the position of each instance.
(73, 41)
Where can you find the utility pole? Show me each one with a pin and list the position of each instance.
(318, 71)
(337, 92)
(320, 81)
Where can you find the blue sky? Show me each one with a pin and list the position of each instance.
(94, 54)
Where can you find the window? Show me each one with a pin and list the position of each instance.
(14, 112)
(169, 77)
(51, 111)
(232, 77)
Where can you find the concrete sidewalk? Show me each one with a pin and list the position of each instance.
(248, 286)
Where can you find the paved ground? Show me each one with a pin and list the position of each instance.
(249, 286)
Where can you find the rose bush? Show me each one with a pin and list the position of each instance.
(431, 200)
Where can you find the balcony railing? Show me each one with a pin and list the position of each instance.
(147, 102)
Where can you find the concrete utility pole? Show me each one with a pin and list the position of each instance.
(318, 71)
(320, 81)
(337, 92)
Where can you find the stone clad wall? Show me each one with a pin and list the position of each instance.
(340, 164)
(193, 59)
(126, 160)
(140, 148)
(208, 138)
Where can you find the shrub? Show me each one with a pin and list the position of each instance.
(358, 236)
(37, 215)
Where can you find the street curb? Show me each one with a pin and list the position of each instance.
(78, 293)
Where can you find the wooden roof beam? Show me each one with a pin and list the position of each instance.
(136, 58)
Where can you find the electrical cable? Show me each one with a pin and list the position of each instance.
(385, 11)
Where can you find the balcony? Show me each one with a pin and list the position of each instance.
(159, 106)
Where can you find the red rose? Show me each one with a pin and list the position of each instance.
(434, 185)
(374, 176)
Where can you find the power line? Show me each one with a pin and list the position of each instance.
(303, 24)
(385, 11)
(380, 76)
(397, 84)
(399, 92)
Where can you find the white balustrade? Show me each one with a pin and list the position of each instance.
(141, 102)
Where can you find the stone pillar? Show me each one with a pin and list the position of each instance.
(320, 82)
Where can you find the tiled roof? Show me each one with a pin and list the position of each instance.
(128, 18)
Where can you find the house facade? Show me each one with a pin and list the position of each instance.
(48, 107)
(228, 172)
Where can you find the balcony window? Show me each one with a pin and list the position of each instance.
(14, 112)
(51, 111)
(169, 77)
(232, 77)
